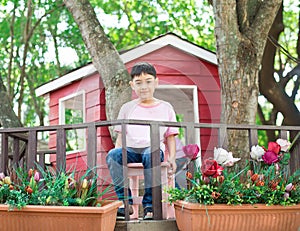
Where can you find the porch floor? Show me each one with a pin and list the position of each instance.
(141, 225)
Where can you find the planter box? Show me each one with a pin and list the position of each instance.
(34, 217)
(190, 216)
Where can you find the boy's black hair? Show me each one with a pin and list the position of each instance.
(143, 67)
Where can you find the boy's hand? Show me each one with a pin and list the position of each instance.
(172, 167)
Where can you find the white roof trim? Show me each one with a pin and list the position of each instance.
(66, 79)
(128, 56)
(169, 40)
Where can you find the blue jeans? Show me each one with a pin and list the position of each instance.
(181, 164)
(134, 155)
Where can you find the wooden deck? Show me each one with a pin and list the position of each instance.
(20, 146)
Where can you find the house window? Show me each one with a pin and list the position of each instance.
(72, 111)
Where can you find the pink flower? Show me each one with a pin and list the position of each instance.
(36, 176)
(284, 144)
(289, 187)
(191, 151)
(286, 195)
(2, 176)
(270, 157)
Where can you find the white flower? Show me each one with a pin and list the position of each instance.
(257, 152)
(224, 158)
(220, 155)
(284, 144)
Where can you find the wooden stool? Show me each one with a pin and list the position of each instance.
(136, 172)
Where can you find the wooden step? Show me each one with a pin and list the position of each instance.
(141, 225)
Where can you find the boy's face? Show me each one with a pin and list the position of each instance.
(144, 86)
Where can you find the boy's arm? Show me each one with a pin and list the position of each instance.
(119, 140)
(171, 143)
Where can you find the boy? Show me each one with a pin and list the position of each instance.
(145, 107)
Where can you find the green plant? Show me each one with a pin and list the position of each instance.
(265, 180)
(39, 187)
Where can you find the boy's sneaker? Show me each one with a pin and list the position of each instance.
(148, 213)
(121, 212)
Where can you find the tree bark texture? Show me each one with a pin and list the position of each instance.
(241, 30)
(8, 118)
(104, 56)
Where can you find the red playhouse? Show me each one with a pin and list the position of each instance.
(188, 79)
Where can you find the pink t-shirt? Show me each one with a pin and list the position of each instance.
(138, 136)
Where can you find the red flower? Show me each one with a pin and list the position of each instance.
(189, 175)
(30, 172)
(29, 190)
(211, 168)
(254, 177)
(215, 195)
(273, 184)
(260, 183)
(274, 147)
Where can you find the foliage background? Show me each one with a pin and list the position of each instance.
(40, 41)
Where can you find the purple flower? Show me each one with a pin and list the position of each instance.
(270, 157)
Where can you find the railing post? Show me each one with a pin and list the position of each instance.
(222, 141)
(190, 139)
(92, 147)
(156, 172)
(61, 150)
(125, 171)
(283, 134)
(4, 152)
(253, 138)
(16, 151)
(32, 149)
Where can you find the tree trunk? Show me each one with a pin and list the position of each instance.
(104, 56)
(269, 87)
(241, 31)
(8, 118)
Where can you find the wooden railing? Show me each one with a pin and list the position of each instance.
(19, 145)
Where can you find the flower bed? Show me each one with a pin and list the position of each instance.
(192, 216)
(263, 196)
(265, 180)
(47, 200)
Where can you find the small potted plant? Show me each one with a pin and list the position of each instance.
(260, 197)
(54, 201)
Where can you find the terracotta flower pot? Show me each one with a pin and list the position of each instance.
(194, 217)
(35, 217)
